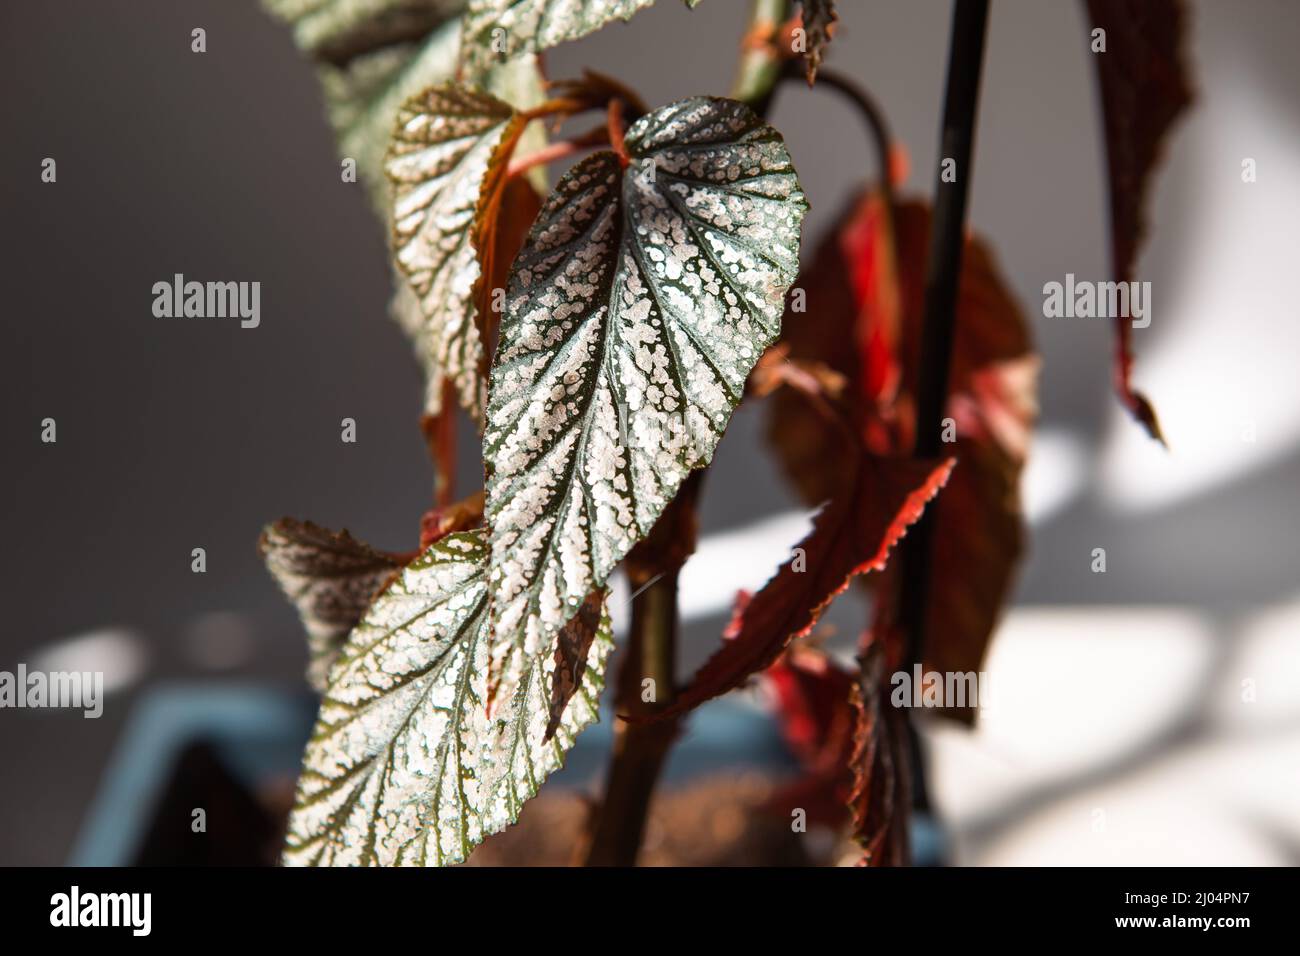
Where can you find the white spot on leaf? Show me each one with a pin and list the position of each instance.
(634, 314)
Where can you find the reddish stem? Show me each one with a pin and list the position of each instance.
(615, 122)
(564, 104)
(557, 150)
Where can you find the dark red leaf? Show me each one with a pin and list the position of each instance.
(991, 329)
(979, 530)
(812, 448)
(881, 797)
(814, 705)
(1145, 87)
(851, 535)
(572, 645)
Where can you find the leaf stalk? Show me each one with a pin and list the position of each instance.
(646, 684)
(761, 60)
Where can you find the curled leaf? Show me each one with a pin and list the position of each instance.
(447, 163)
(881, 798)
(404, 766)
(640, 302)
(816, 381)
(330, 577)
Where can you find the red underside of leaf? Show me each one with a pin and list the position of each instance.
(814, 704)
(1145, 88)
(865, 302)
(440, 438)
(881, 797)
(852, 535)
(446, 519)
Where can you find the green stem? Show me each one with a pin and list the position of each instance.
(760, 63)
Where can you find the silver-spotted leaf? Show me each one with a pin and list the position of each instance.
(405, 767)
(496, 30)
(636, 309)
(373, 55)
(447, 163)
(394, 49)
(362, 99)
(330, 577)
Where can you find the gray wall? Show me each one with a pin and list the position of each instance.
(174, 434)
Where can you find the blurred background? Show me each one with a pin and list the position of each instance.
(1123, 731)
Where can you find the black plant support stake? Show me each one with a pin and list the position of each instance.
(942, 280)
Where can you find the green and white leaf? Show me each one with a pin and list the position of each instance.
(383, 66)
(337, 30)
(448, 142)
(404, 766)
(498, 30)
(362, 99)
(388, 64)
(395, 48)
(635, 311)
(330, 577)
